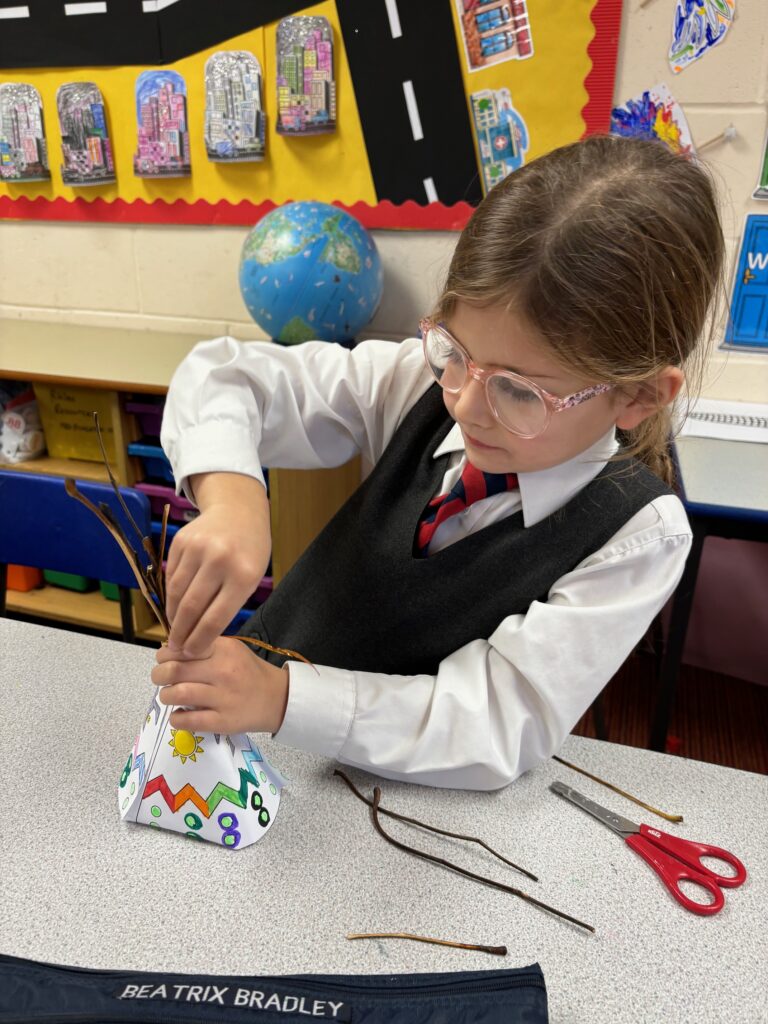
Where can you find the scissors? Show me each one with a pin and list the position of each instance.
(671, 858)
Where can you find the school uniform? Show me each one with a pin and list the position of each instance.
(468, 666)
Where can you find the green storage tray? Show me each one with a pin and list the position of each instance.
(110, 590)
(69, 580)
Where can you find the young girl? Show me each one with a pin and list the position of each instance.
(517, 534)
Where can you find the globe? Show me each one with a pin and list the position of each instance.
(310, 271)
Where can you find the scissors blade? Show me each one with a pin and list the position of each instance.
(623, 826)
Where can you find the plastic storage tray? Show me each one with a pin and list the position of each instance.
(157, 468)
(182, 511)
(149, 415)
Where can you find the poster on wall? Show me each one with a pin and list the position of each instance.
(761, 191)
(23, 145)
(186, 149)
(86, 147)
(747, 326)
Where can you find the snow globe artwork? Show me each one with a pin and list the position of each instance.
(235, 122)
(85, 144)
(306, 89)
(163, 127)
(23, 146)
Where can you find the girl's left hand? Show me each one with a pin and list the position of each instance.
(229, 689)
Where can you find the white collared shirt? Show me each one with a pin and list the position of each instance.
(498, 705)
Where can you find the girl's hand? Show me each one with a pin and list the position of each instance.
(216, 562)
(230, 689)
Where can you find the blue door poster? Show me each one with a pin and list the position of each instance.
(748, 320)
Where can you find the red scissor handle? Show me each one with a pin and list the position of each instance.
(675, 860)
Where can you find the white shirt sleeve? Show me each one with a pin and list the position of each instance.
(502, 704)
(234, 406)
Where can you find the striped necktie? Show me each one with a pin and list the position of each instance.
(471, 486)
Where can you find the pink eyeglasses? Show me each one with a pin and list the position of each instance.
(519, 405)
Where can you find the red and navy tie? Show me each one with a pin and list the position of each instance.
(471, 486)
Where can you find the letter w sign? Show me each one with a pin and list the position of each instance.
(748, 320)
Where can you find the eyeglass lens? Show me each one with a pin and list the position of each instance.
(517, 406)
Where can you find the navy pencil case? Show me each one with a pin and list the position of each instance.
(32, 992)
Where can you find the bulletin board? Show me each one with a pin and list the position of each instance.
(557, 88)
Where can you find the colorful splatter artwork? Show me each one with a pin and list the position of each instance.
(655, 114)
(698, 26)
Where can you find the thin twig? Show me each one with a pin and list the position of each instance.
(130, 554)
(432, 828)
(609, 785)
(161, 552)
(462, 871)
(495, 950)
(112, 480)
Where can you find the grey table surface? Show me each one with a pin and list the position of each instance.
(81, 887)
(730, 474)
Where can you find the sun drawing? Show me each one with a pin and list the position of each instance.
(185, 744)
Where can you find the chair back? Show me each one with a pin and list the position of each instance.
(41, 526)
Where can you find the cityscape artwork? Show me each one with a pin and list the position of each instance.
(306, 89)
(85, 144)
(23, 147)
(163, 127)
(235, 121)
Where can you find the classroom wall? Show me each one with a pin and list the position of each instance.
(185, 278)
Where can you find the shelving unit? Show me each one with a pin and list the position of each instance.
(142, 363)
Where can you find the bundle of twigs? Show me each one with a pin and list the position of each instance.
(148, 570)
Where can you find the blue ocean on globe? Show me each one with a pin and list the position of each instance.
(310, 271)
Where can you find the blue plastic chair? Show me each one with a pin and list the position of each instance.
(41, 526)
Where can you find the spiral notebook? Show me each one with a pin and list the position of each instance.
(726, 420)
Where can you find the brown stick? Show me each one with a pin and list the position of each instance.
(609, 785)
(495, 950)
(462, 871)
(432, 828)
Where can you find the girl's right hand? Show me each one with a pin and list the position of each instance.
(216, 561)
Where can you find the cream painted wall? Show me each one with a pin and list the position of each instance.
(185, 278)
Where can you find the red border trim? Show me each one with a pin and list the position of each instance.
(606, 17)
(435, 216)
(603, 51)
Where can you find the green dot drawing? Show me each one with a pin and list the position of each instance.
(155, 811)
(133, 788)
(192, 835)
(226, 821)
(228, 840)
(263, 776)
(256, 800)
(264, 816)
(125, 803)
(126, 771)
(273, 789)
(153, 824)
(192, 821)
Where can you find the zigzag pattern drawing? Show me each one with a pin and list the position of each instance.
(221, 791)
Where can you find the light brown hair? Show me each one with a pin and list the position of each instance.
(612, 249)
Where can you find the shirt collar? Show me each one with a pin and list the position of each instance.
(546, 490)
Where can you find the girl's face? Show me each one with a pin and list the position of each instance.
(496, 338)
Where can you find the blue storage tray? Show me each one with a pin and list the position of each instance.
(239, 620)
(154, 460)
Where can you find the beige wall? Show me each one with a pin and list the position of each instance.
(185, 278)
